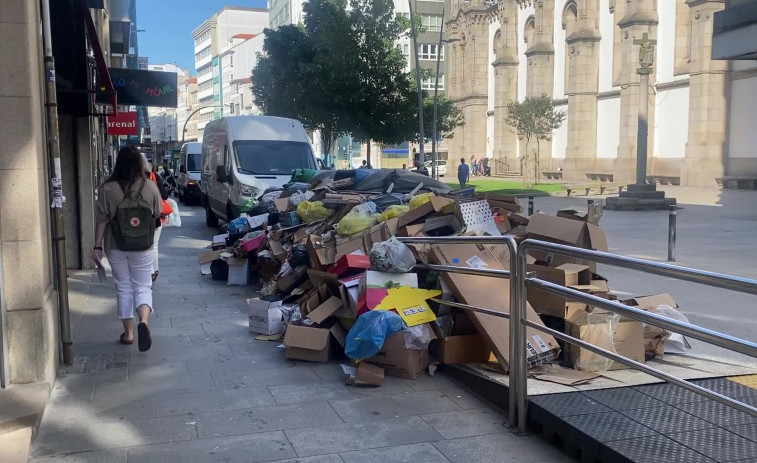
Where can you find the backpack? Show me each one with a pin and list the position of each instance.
(134, 224)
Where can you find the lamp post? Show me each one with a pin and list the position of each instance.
(184, 129)
(421, 135)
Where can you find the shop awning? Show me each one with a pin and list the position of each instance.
(105, 84)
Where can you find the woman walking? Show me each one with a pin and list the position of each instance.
(127, 206)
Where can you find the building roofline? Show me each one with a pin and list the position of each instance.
(242, 8)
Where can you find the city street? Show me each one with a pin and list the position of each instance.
(208, 392)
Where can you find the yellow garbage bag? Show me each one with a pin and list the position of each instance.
(355, 222)
(393, 211)
(313, 211)
(419, 200)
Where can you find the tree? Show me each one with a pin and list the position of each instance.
(533, 118)
(384, 100)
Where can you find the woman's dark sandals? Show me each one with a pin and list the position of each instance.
(124, 341)
(154, 277)
(145, 339)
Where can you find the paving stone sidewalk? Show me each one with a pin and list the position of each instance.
(208, 392)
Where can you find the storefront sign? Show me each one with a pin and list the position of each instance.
(125, 123)
(144, 88)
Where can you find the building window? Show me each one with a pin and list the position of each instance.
(205, 36)
(432, 23)
(429, 52)
(428, 82)
(204, 53)
(205, 86)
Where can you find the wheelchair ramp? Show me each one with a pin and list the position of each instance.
(628, 416)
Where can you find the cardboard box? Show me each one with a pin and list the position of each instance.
(411, 230)
(364, 374)
(312, 344)
(350, 264)
(506, 202)
(239, 271)
(654, 336)
(219, 241)
(436, 204)
(282, 204)
(399, 361)
(627, 338)
(590, 214)
(565, 231)
(325, 310)
(278, 251)
(493, 294)
(207, 258)
(264, 316)
(574, 276)
(374, 287)
(462, 349)
(446, 225)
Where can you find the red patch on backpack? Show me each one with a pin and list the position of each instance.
(134, 222)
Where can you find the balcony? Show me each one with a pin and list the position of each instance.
(203, 62)
(205, 94)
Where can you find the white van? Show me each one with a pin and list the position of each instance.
(242, 156)
(190, 169)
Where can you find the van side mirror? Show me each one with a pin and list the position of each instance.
(182, 169)
(221, 174)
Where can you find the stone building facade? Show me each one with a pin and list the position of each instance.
(583, 54)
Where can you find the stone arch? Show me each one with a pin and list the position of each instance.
(569, 17)
(529, 31)
(497, 43)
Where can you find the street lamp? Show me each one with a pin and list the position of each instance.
(184, 129)
(414, 31)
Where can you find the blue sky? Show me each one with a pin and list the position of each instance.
(168, 26)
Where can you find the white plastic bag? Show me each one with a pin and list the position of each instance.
(392, 256)
(174, 219)
(676, 343)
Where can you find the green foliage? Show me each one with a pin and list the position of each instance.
(342, 73)
(449, 116)
(534, 118)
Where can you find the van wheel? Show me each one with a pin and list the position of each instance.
(229, 213)
(210, 218)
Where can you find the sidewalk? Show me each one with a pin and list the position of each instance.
(208, 392)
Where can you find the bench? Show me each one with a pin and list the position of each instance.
(552, 174)
(738, 183)
(600, 176)
(602, 187)
(664, 179)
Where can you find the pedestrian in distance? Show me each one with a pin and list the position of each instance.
(127, 206)
(365, 165)
(463, 173)
(474, 167)
(404, 166)
(166, 210)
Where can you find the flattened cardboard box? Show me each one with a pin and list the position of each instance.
(477, 291)
(565, 231)
(436, 204)
(462, 349)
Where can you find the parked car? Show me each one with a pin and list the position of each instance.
(189, 172)
(242, 156)
(441, 167)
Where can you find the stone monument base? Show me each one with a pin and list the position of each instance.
(640, 197)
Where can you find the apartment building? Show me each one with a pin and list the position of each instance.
(211, 38)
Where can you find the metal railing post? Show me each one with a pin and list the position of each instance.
(672, 216)
(513, 411)
(518, 379)
(530, 205)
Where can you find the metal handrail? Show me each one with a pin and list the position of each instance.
(515, 292)
(518, 311)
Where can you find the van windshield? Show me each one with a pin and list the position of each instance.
(265, 157)
(194, 162)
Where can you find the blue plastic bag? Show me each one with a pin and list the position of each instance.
(239, 226)
(369, 332)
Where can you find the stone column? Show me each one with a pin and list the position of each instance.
(708, 105)
(641, 17)
(28, 325)
(581, 89)
(540, 75)
(474, 100)
(505, 84)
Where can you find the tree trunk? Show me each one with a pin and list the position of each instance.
(536, 162)
(368, 153)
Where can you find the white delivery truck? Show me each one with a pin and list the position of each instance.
(190, 168)
(242, 156)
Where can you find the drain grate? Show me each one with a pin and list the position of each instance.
(96, 362)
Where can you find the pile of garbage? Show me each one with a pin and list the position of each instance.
(335, 281)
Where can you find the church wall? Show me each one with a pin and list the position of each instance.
(666, 44)
(560, 138)
(608, 127)
(523, 15)
(672, 122)
(559, 86)
(607, 29)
